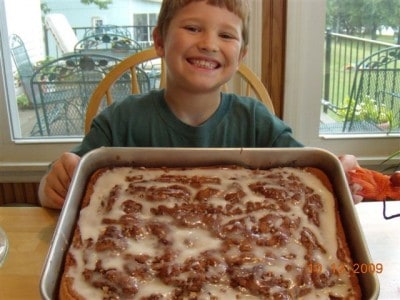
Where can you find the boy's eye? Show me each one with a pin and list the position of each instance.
(192, 28)
(227, 36)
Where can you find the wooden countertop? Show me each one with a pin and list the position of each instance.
(30, 230)
(383, 240)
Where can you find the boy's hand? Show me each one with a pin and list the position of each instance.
(54, 185)
(349, 162)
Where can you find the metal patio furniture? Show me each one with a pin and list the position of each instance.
(23, 64)
(62, 89)
(109, 44)
(374, 99)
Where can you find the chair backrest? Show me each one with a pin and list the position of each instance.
(22, 63)
(63, 88)
(375, 93)
(154, 67)
(62, 31)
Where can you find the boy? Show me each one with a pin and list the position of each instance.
(203, 42)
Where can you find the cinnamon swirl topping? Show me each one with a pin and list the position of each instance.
(208, 233)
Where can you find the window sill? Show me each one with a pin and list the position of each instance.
(22, 172)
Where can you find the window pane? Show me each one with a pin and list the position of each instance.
(59, 54)
(140, 20)
(361, 92)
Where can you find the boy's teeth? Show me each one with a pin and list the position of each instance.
(205, 64)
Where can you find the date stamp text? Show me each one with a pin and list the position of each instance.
(356, 268)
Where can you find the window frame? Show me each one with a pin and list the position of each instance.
(27, 160)
(303, 88)
(20, 159)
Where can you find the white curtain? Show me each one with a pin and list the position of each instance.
(253, 59)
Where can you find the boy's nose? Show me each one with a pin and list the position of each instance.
(208, 43)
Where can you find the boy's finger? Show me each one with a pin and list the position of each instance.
(69, 162)
(71, 166)
(58, 184)
(56, 199)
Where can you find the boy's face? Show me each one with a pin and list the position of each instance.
(202, 47)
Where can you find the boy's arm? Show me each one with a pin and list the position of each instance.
(54, 184)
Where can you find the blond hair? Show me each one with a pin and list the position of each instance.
(170, 7)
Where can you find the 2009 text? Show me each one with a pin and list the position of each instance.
(357, 268)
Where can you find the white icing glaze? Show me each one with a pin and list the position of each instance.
(191, 242)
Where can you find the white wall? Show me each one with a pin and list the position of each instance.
(120, 12)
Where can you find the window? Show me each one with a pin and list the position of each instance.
(23, 156)
(361, 91)
(304, 88)
(97, 22)
(27, 156)
(144, 24)
(37, 104)
(22, 146)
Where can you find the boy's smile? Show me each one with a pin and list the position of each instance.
(204, 63)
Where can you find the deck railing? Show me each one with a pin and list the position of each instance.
(141, 34)
(342, 54)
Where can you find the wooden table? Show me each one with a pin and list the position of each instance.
(383, 239)
(30, 230)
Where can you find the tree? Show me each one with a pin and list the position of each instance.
(102, 4)
(392, 12)
(342, 17)
(362, 17)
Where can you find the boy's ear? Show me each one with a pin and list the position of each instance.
(242, 54)
(158, 42)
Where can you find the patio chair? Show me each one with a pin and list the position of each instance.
(62, 31)
(62, 90)
(153, 66)
(109, 44)
(375, 93)
(22, 63)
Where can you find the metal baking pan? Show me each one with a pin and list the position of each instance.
(192, 157)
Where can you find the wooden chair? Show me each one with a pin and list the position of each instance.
(155, 69)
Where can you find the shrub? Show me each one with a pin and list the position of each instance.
(23, 101)
(370, 110)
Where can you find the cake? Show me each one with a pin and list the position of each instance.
(220, 232)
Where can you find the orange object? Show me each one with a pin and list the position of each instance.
(374, 185)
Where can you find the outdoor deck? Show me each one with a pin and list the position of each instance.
(327, 125)
(27, 118)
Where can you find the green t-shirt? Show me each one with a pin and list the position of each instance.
(145, 120)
